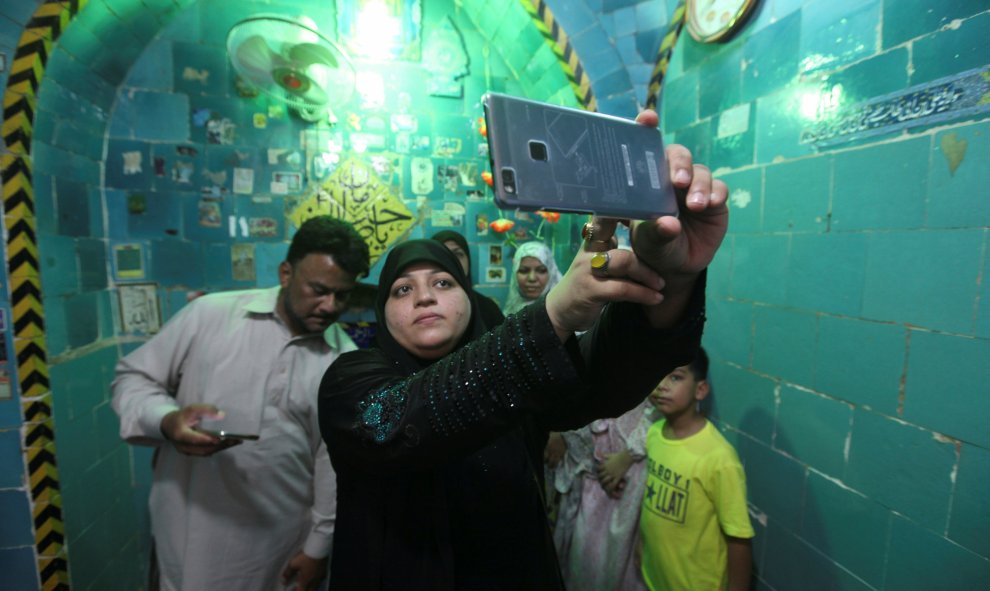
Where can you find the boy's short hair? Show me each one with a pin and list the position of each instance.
(699, 366)
(328, 235)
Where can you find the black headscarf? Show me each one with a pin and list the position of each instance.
(455, 237)
(399, 258)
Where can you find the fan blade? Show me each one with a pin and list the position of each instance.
(307, 54)
(254, 56)
(314, 95)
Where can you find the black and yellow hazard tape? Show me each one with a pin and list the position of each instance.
(27, 67)
(562, 48)
(663, 55)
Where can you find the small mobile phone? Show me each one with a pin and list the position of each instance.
(561, 159)
(228, 428)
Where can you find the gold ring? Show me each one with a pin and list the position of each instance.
(599, 263)
(588, 232)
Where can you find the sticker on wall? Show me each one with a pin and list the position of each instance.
(404, 123)
(403, 143)
(355, 193)
(388, 167)
(262, 227)
(209, 213)
(220, 131)
(451, 216)
(4, 369)
(132, 162)
(495, 274)
(242, 262)
(448, 175)
(129, 261)
(201, 116)
(182, 172)
(159, 164)
(421, 175)
(192, 74)
(481, 224)
(218, 178)
(495, 254)
(468, 173)
(446, 147)
(243, 181)
(292, 180)
(260, 120)
(278, 188)
(139, 308)
(244, 89)
(324, 163)
(361, 142)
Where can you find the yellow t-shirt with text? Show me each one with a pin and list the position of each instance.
(695, 493)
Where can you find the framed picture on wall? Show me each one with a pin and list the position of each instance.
(139, 308)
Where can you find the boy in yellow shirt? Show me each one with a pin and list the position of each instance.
(694, 523)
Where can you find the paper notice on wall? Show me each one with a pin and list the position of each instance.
(243, 181)
(139, 308)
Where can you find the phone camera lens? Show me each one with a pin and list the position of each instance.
(508, 180)
(538, 151)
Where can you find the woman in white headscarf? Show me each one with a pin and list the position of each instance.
(534, 273)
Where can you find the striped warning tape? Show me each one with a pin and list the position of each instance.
(663, 55)
(27, 315)
(562, 48)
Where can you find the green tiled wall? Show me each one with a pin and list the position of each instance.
(849, 324)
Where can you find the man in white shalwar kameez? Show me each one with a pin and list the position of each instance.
(228, 513)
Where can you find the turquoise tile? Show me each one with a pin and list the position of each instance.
(957, 179)
(207, 227)
(909, 19)
(921, 559)
(58, 266)
(837, 32)
(774, 482)
(827, 272)
(720, 271)
(944, 372)
(882, 186)
(842, 371)
(729, 330)
(153, 116)
(902, 467)
(611, 84)
(217, 270)
(575, 16)
(648, 43)
(771, 58)
(847, 527)
(56, 340)
(731, 148)
(19, 567)
(780, 121)
(92, 264)
(873, 77)
(77, 78)
(678, 101)
(83, 309)
(183, 23)
(153, 69)
(818, 428)
(72, 207)
(784, 343)
(968, 521)
(743, 400)
(894, 291)
(745, 199)
(759, 267)
(129, 165)
(720, 83)
(792, 564)
(983, 312)
(161, 217)
(175, 262)
(626, 46)
(952, 50)
(798, 195)
(11, 463)
(625, 20)
(200, 70)
(697, 138)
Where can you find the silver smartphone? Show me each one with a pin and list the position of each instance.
(561, 159)
(230, 427)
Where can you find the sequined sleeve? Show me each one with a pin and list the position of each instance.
(373, 415)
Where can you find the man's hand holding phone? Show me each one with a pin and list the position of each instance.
(181, 428)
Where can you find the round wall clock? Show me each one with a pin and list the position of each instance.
(717, 20)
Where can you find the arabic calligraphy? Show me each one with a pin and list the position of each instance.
(355, 193)
(961, 95)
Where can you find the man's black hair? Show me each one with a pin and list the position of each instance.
(699, 367)
(328, 235)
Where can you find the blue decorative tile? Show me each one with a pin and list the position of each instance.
(837, 32)
(174, 262)
(129, 165)
(11, 469)
(20, 571)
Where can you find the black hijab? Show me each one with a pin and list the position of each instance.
(399, 258)
(455, 237)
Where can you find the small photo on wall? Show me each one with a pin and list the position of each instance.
(242, 262)
(139, 308)
(495, 254)
(495, 275)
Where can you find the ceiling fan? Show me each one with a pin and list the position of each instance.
(290, 60)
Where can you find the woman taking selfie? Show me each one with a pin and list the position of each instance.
(436, 435)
